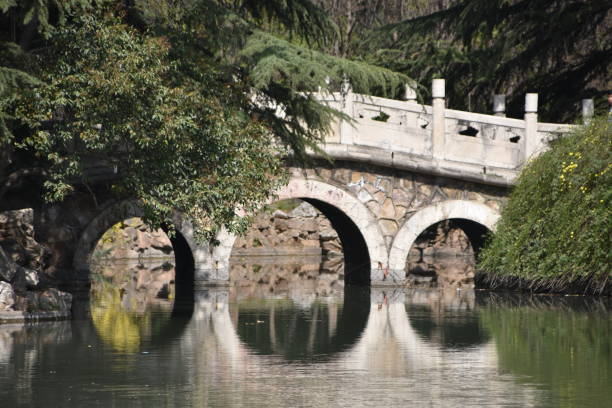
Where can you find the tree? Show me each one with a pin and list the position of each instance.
(177, 98)
(561, 49)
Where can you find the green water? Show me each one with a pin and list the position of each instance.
(296, 347)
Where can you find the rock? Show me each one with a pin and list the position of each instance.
(8, 268)
(328, 234)
(304, 210)
(25, 278)
(280, 214)
(281, 224)
(7, 296)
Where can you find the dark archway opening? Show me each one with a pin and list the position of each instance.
(356, 255)
(299, 243)
(445, 254)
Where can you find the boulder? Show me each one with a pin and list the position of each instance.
(7, 296)
(304, 210)
(328, 234)
(8, 268)
(280, 214)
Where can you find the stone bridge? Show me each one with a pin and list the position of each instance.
(398, 167)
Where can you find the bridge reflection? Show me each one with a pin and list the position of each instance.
(290, 351)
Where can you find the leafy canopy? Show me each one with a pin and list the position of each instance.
(178, 98)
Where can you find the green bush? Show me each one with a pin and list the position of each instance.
(554, 233)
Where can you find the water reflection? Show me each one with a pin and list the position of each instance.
(299, 348)
(131, 302)
(299, 325)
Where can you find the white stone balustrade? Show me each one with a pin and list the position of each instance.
(434, 139)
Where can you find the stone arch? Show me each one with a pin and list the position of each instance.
(426, 217)
(187, 253)
(357, 227)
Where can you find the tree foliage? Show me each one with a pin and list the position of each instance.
(561, 49)
(179, 98)
(554, 233)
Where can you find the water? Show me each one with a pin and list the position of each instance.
(312, 345)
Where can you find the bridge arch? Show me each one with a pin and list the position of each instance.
(430, 215)
(187, 253)
(358, 230)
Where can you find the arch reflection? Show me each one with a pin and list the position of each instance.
(300, 326)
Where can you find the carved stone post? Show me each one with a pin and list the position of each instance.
(438, 122)
(499, 105)
(532, 143)
(588, 110)
(410, 94)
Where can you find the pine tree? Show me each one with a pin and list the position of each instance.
(561, 49)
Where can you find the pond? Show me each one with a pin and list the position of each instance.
(312, 345)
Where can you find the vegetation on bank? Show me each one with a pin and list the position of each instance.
(554, 233)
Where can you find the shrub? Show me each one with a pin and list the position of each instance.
(554, 233)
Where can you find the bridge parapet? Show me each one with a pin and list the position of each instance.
(467, 143)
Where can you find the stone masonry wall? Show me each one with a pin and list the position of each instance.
(394, 196)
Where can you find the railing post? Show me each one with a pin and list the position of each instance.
(346, 128)
(410, 94)
(588, 110)
(499, 105)
(438, 123)
(531, 144)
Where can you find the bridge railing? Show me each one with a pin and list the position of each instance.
(442, 135)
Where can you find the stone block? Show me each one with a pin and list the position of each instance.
(304, 210)
(452, 193)
(364, 196)
(389, 227)
(380, 197)
(328, 234)
(425, 189)
(387, 209)
(374, 207)
(493, 204)
(383, 184)
(400, 211)
(325, 174)
(475, 197)
(342, 175)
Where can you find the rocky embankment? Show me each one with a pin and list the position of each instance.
(23, 285)
(442, 256)
(132, 239)
(303, 230)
